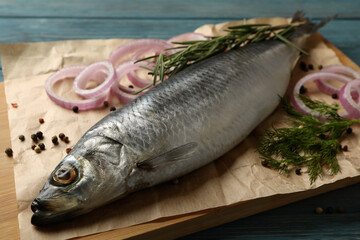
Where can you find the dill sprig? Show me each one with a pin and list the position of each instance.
(195, 51)
(308, 143)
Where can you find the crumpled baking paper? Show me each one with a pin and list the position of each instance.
(235, 177)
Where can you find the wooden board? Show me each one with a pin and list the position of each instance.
(166, 228)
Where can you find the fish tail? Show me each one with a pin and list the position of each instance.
(307, 27)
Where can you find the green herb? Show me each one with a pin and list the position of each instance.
(195, 51)
(308, 143)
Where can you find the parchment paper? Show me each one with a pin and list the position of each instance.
(235, 177)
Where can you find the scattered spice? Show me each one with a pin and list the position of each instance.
(320, 67)
(311, 67)
(39, 135)
(334, 96)
(22, 138)
(14, 105)
(33, 146)
(75, 109)
(37, 149)
(34, 137)
(41, 120)
(68, 150)
(61, 136)
(265, 163)
(349, 130)
(66, 139)
(298, 171)
(340, 210)
(42, 146)
(302, 90)
(9, 152)
(54, 140)
(319, 210)
(106, 103)
(345, 148)
(303, 66)
(329, 210)
(131, 86)
(112, 108)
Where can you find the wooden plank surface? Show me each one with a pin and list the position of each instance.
(36, 20)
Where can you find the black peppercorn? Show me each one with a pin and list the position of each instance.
(22, 138)
(9, 152)
(131, 86)
(329, 210)
(112, 108)
(298, 171)
(106, 103)
(302, 90)
(320, 67)
(54, 140)
(34, 137)
(311, 67)
(61, 136)
(33, 146)
(303, 66)
(42, 146)
(349, 130)
(39, 135)
(345, 148)
(75, 109)
(334, 96)
(322, 136)
(66, 139)
(265, 163)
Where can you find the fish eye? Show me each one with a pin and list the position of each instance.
(64, 175)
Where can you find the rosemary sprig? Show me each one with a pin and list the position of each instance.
(308, 143)
(195, 51)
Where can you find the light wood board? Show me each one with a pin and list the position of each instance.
(166, 228)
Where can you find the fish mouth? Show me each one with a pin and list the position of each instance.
(43, 217)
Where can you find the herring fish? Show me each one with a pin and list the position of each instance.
(184, 123)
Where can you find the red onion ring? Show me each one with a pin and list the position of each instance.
(347, 101)
(340, 69)
(298, 104)
(71, 72)
(137, 45)
(85, 76)
(125, 94)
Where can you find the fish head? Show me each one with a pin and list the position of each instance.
(86, 178)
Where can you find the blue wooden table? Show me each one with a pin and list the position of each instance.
(35, 20)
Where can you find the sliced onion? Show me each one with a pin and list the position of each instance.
(87, 74)
(134, 46)
(340, 69)
(191, 36)
(71, 72)
(298, 104)
(124, 94)
(347, 100)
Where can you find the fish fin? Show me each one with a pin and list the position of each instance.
(174, 155)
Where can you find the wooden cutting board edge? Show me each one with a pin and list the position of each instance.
(165, 228)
